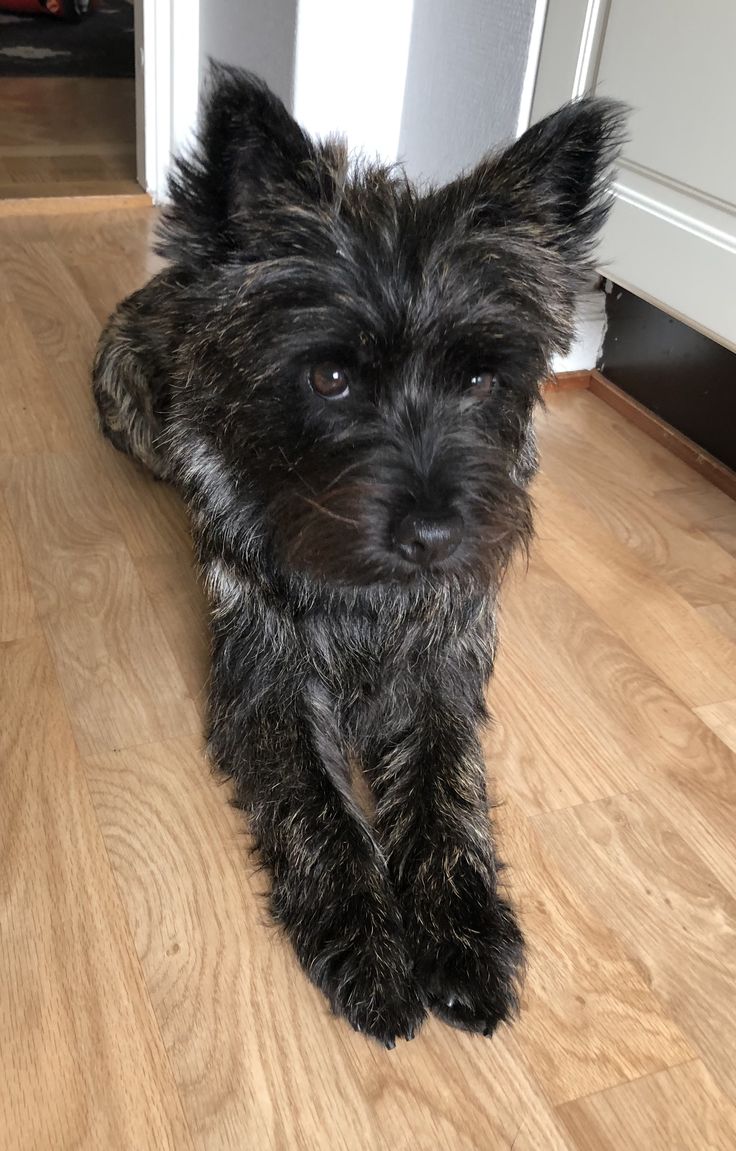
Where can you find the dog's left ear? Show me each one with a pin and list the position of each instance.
(554, 179)
(249, 153)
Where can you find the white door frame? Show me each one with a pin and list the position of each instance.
(569, 52)
(539, 20)
(167, 85)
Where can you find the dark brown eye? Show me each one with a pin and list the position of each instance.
(481, 384)
(329, 381)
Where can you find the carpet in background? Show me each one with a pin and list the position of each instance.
(100, 45)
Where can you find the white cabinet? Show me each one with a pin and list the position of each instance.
(672, 233)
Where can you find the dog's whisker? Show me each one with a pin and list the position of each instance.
(345, 471)
(327, 512)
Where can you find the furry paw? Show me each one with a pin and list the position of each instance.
(372, 985)
(469, 957)
(473, 984)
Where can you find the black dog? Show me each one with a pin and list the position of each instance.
(338, 371)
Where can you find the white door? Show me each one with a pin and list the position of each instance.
(672, 234)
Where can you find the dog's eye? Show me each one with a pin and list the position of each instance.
(329, 381)
(481, 384)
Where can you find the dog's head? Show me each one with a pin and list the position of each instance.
(375, 351)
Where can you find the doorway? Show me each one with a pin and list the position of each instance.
(68, 98)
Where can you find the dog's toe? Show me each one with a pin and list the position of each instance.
(480, 1019)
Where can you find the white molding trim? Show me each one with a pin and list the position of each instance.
(678, 186)
(683, 220)
(587, 64)
(170, 84)
(532, 66)
(157, 92)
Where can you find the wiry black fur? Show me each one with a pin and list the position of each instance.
(329, 645)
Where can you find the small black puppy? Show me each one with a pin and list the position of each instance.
(338, 371)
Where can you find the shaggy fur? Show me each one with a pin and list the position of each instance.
(353, 546)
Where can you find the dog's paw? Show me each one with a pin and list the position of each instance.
(469, 968)
(384, 1009)
(471, 985)
(366, 974)
(374, 988)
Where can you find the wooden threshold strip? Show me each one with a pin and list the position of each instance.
(64, 205)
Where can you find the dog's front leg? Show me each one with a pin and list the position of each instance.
(330, 889)
(428, 775)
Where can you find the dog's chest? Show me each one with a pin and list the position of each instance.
(357, 655)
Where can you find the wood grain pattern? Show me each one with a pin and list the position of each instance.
(699, 504)
(105, 197)
(647, 883)
(242, 1026)
(145, 1000)
(55, 310)
(575, 960)
(603, 722)
(721, 717)
(722, 616)
(679, 645)
(83, 1060)
(34, 417)
(121, 683)
(179, 604)
(557, 717)
(674, 441)
(652, 465)
(66, 136)
(605, 475)
(675, 1110)
(17, 609)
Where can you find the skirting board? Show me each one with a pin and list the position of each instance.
(568, 381)
(698, 459)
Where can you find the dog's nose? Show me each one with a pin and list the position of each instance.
(425, 540)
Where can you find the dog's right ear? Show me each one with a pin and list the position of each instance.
(249, 151)
(554, 181)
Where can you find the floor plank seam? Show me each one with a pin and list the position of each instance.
(625, 1082)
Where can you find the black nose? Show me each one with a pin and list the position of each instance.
(425, 540)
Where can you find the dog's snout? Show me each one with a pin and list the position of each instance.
(425, 540)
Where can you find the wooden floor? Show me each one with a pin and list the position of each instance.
(145, 1002)
(66, 136)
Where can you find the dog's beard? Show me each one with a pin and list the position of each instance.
(341, 529)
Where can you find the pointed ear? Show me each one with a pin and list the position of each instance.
(249, 149)
(557, 176)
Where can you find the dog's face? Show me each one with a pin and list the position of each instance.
(390, 376)
(383, 347)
